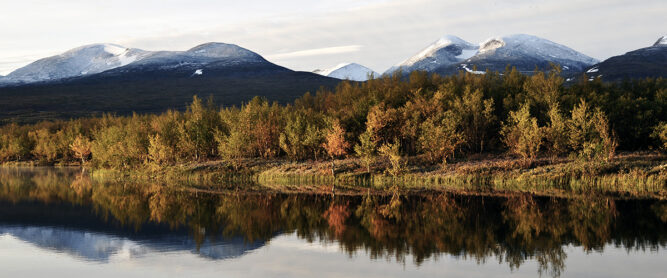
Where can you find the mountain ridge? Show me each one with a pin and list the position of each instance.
(451, 54)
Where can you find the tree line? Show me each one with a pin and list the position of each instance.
(436, 118)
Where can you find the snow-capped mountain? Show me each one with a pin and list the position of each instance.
(96, 58)
(349, 71)
(525, 52)
(446, 51)
(84, 60)
(641, 63)
(159, 80)
(200, 55)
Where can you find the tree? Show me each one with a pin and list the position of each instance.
(522, 135)
(477, 118)
(235, 144)
(439, 137)
(81, 146)
(335, 143)
(590, 134)
(556, 132)
(301, 136)
(366, 149)
(197, 129)
(392, 151)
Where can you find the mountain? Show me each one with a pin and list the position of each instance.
(641, 63)
(450, 54)
(447, 51)
(84, 60)
(154, 82)
(349, 71)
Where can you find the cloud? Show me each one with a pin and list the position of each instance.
(316, 52)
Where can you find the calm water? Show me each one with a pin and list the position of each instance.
(62, 223)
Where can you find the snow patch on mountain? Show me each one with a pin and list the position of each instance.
(465, 67)
(349, 71)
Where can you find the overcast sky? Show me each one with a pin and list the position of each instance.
(307, 35)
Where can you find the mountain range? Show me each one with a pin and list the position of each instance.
(99, 78)
(108, 78)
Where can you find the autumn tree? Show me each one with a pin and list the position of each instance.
(81, 146)
(335, 143)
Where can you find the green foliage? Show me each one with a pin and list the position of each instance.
(660, 134)
(236, 144)
(392, 151)
(15, 144)
(522, 135)
(439, 137)
(589, 133)
(197, 130)
(164, 147)
(121, 146)
(556, 133)
(477, 117)
(366, 149)
(303, 136)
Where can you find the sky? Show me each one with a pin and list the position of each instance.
(307, 35)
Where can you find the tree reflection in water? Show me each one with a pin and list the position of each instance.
(508, 229)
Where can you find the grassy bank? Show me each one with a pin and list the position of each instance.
(631, 175)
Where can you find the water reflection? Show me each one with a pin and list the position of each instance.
(67, 211)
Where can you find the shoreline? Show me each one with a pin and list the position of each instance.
(636, 175)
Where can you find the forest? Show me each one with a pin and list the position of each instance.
(434, 119)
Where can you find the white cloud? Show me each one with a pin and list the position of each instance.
(316, 52)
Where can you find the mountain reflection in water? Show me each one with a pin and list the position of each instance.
(66, 211)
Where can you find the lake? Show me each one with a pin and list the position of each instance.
(61, 222)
